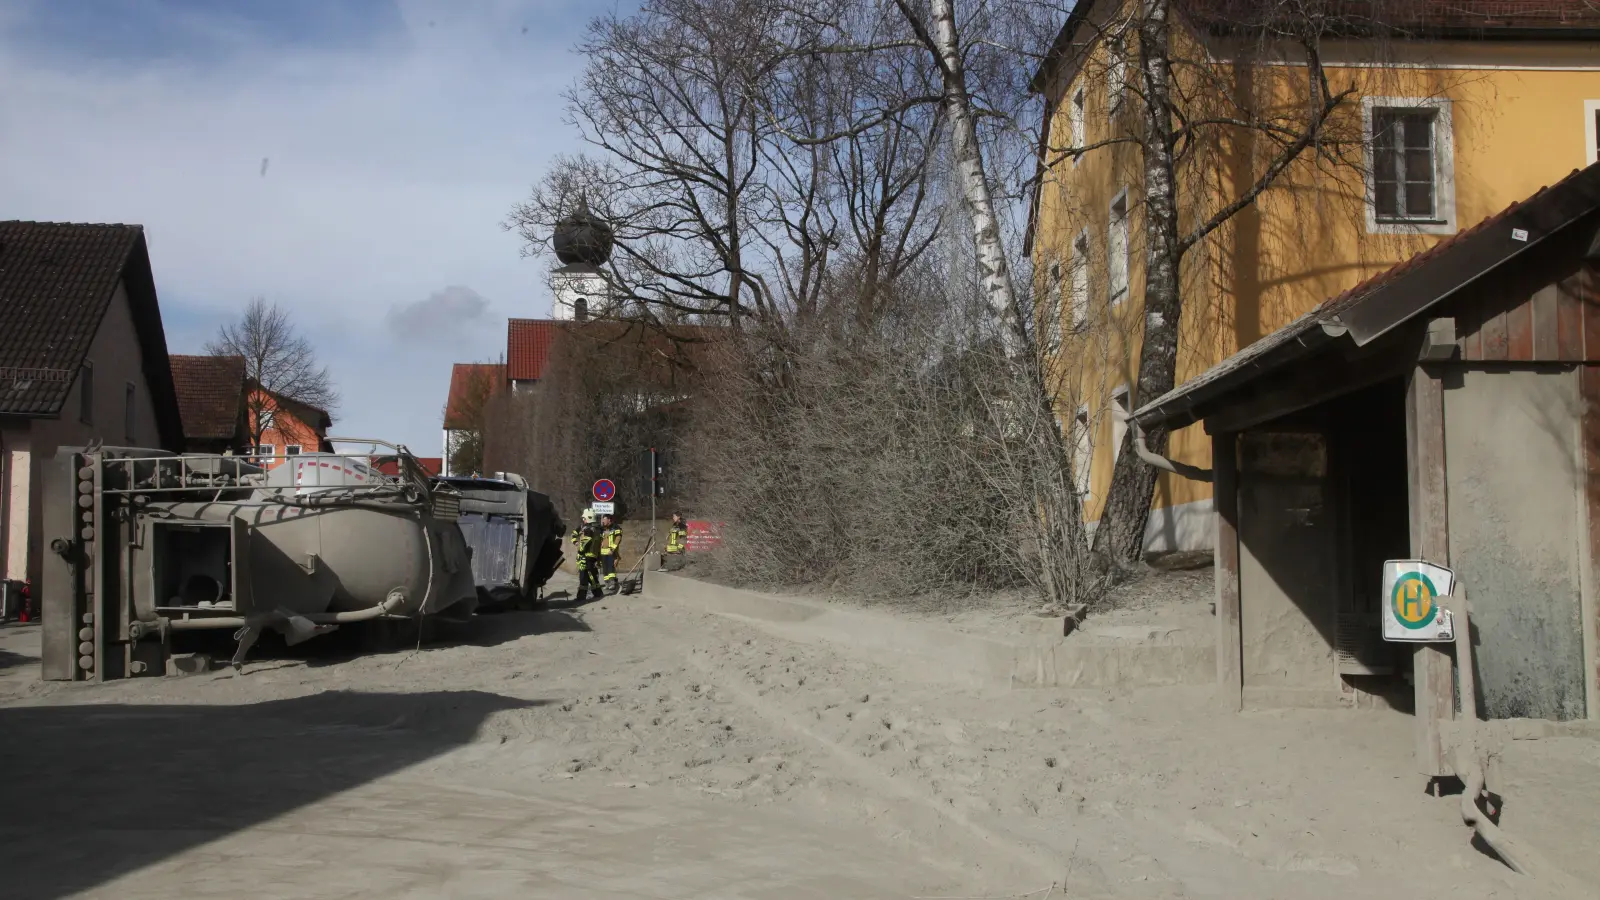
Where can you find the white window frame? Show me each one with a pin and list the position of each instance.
(1121, 412)
(1116, 294)
(1444, 166)
(1591, 139)
(265, 451)
(1077, 123)
(1116, 73)
(1078, 271)
(1083, 459)
(291, 450)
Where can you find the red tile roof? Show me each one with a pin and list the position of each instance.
(528, 347)
(469, 384)
(210, 395)
(432, 465)
(531, 344)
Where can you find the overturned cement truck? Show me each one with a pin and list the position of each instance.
(144, 546)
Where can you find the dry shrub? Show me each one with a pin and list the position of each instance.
(907, 457)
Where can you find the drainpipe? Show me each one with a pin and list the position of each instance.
(1193, 473)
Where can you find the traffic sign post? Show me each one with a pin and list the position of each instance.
(604, 490)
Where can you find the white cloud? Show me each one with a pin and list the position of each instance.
(391, 169)
(453, 315)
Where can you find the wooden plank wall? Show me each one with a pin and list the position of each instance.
(1510, 317)
(1506, 318)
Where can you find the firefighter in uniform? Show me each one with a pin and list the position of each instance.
(586, 539)
(677, 543)
(587, 517)
(610, 551)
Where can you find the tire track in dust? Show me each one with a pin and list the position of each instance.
(1026, 860)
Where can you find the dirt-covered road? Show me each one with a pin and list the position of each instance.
(633, 748)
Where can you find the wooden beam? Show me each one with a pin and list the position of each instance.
(1309, 386)
(1589, 455)
(1432, 677)
(1230, 633)
(1439, 342)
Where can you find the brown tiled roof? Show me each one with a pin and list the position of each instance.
(467, 379)
(1484, 19)
(210, 395)
(56, 281)
(528, 347)
(1410, 15)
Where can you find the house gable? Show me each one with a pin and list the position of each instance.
(57, 284)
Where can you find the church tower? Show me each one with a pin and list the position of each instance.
(583, 243)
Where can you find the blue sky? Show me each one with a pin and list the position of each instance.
(396, 136)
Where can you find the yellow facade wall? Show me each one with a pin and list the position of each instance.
(1520, 117)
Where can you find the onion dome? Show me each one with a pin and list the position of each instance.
(583, 237)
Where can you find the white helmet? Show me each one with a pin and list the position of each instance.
(587, 516)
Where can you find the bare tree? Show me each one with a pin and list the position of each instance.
(698, 113)
(280, 364)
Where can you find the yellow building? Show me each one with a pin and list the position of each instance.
(1473, 109)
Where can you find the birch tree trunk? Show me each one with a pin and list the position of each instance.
(993, 269)
(1120, 534)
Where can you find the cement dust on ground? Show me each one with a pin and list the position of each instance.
(632, 748)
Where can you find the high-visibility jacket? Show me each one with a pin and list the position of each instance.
(611, 541)
(677, 538)
(588, 544)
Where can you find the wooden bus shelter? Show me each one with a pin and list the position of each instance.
(1443, 410)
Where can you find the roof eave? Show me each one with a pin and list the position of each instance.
(1389, 305)
(1179, 409)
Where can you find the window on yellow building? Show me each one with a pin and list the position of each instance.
(1404, 170)
(1079, 274)
(1117, 248)
(1591, 132)
(1075, 120)
(1116, 73)
(1083, 453)
(1410, 171)
(1052, 317)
